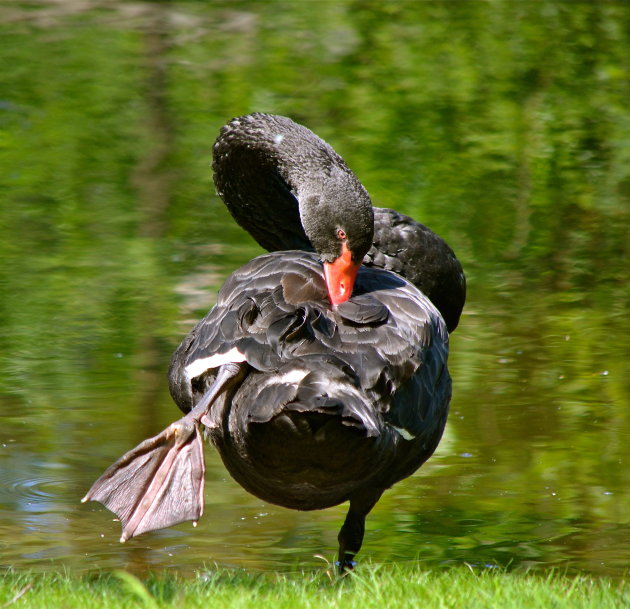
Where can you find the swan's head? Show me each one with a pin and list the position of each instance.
(338, 219)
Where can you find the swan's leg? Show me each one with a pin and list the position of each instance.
(351, 534)
(160, 482)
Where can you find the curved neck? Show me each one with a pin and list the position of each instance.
(279, 180)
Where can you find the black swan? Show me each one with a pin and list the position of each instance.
(316, 385)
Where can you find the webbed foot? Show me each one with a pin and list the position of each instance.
(157, 484)
(160, 482)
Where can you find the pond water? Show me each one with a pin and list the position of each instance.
(503, 126)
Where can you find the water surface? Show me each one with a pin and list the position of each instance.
(503, 126)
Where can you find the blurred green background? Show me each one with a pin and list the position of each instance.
(504, 126)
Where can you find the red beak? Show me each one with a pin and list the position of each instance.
(340, 276)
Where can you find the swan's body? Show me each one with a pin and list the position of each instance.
(323, 411)
(308, 404)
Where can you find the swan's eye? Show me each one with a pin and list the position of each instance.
(341, 234)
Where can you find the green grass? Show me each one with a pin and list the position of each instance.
(376, 586)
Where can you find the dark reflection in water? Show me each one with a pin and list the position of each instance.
(503, 126)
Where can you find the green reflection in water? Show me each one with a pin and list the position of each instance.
(503, 126)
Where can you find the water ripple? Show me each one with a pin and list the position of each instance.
(29, 490)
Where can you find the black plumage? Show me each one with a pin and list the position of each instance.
(308, 404)
(263, 181)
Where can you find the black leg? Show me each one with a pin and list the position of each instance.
(351, 534)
